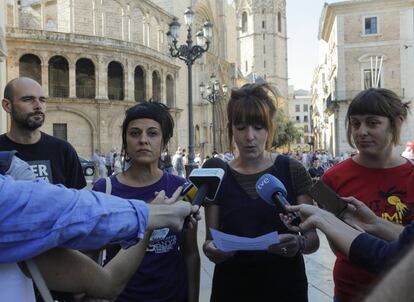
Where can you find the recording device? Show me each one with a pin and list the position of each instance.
(207, 180)
(327, 199)
(272, 191)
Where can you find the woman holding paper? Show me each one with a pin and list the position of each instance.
(278, 273)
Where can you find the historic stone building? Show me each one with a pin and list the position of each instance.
(300, 112)
(263, 41)
(363, 44)
(95, 58)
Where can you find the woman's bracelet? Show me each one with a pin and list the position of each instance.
(302, 243)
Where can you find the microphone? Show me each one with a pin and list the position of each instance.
(207, 180)
(272, 191)
(189, 191)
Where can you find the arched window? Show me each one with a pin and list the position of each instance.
(58, 77)
(85, 79)
(139, 84)
(279, 22)
(156, 86)
(115, 81)
(170, 92)
(30, 66)
(244, 22)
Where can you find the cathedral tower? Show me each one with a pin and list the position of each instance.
(262, 41)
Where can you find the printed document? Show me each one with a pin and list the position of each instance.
(230, 243)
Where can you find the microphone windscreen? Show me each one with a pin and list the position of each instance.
(215, 163)
(267, 185)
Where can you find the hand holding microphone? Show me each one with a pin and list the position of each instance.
(207, 180)
(272, 191)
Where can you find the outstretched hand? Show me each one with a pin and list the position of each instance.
(309, 214)
(358, 215)
(171, 212)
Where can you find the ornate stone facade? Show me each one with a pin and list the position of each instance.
(95, 58)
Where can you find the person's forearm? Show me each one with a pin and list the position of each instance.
(193, 276)
(123, 266)
(37, 216)
(192, 263)
(70, 271)
(337, 232)
(311, 243)
(385, 229)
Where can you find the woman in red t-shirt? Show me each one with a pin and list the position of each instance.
(376, 175)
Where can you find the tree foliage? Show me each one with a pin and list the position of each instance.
(285, 130)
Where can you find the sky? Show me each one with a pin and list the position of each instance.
(302, 29)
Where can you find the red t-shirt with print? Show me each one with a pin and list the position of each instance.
(389, 193)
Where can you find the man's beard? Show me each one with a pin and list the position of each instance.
(28, 120)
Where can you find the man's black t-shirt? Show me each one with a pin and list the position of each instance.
(51, 159)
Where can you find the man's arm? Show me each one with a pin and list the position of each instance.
(36, 216)
(370, 252)
(374, 253)
(338, 233)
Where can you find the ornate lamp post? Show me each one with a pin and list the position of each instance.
(189, 53)
(212, 95)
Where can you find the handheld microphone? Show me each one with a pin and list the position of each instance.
(189, 191)
(272, 191)
(207, 180)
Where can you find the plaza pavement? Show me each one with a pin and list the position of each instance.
(318, 268)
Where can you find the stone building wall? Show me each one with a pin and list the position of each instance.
(91, 123)
(131, 33)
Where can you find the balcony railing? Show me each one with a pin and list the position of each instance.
(59, 91)
(85, 92)
(115, 93)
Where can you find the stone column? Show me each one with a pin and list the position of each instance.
(42, 15)
(163, 87)
(102, 79)
(72, 80)
(45, 79)
(129, 87)
(149, 84)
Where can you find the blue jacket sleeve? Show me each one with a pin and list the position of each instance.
(36, 216)
(374, 254)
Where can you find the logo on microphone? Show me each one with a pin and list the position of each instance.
(262, 183)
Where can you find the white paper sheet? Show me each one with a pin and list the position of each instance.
(230, 243)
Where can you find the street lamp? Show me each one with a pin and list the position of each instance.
(211, 93)
(189, 53)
